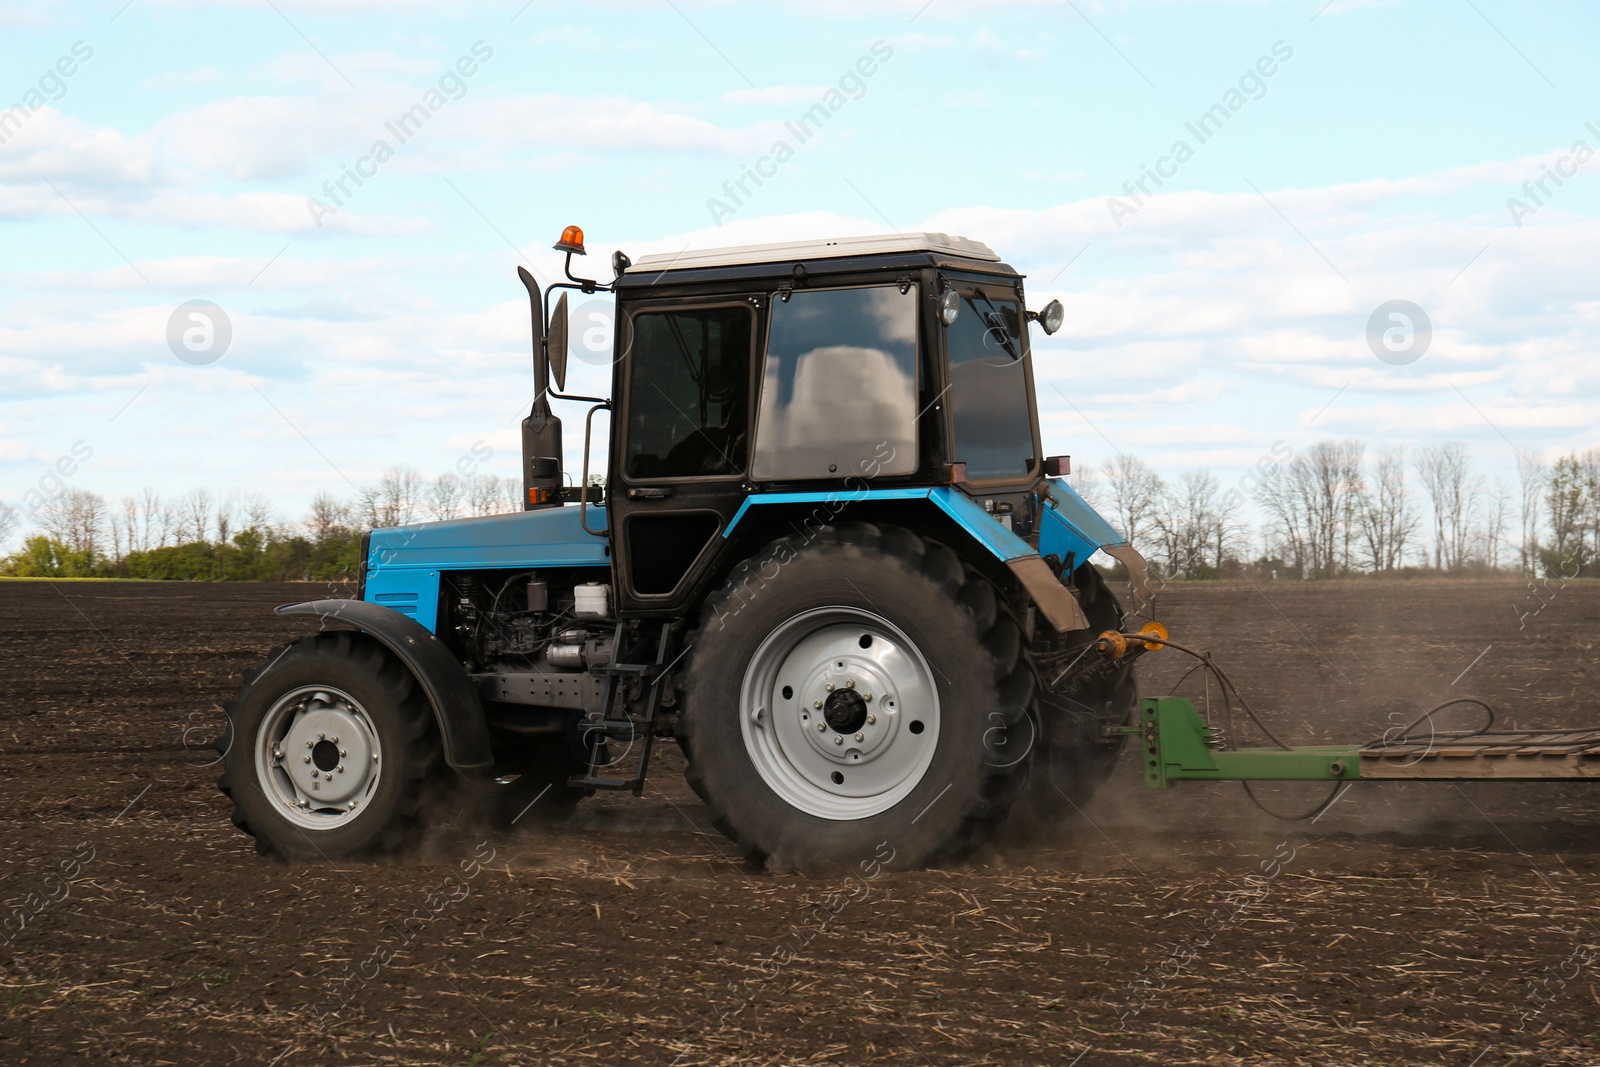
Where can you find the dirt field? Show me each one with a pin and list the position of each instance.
(1413, 924)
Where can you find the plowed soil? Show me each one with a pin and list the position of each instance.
(1414, 923)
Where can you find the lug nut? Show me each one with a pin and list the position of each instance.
(309, 744)
(860, 737)
(871, 719)
(838, 739)
(327, 775)
(822, 726)
(866, 696)
(322, 737)
(374, 757)
(817, 704)
(849, 683)
(308, 759)
(828, 686)
(340, 768)
(343, 753)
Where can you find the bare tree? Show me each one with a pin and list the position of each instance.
(227, 515)
(1589, 464)
(1329, 475)
(1496, 519)
(1531, 474)
(394, 501)
(158, 520)
(483, 493)
(329, 517)
(446, 497)
(1187, 520)
(1086, 481)
(10, 521)
(131, 527)
(256, 513)
(1387, 520)
(1455, 493)
(1280, 495)
(510, 495)
(1135, 493)
(76, 518)
(194, 516)
(1313, 504)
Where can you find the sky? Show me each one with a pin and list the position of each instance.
(1304, 166)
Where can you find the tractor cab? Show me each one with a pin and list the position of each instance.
(848, 368)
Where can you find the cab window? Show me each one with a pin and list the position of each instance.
(689, 392)
(839, 386)
(989, 387)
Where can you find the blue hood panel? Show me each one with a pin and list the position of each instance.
(550, 537)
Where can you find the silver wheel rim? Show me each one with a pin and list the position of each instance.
(840, 713)
(317, 757)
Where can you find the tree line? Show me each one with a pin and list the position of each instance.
(1332, 509)
(1337, 509)
(203, 536)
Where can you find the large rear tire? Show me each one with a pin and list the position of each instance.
(330, 750)
(854, 690)
(1072, 756)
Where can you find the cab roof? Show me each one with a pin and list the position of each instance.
(833, 248)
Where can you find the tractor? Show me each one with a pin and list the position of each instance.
(829, 558)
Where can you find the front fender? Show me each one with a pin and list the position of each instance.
(456, 707)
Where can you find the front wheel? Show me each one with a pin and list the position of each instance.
(330, 748)
(855, 690)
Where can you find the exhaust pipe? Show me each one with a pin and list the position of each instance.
(541, 430)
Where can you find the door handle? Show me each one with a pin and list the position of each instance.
(649, 494)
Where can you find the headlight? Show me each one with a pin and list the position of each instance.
(1052, 316)
(949, 307)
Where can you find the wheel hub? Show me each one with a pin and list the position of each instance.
(318, 756)
(841, 713)
(845, 711)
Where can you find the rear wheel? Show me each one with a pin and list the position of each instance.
(329, 751)
(853, 691)
(1072, 757)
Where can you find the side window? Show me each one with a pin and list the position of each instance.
(839, 388)
(989, 387)
(689, 392)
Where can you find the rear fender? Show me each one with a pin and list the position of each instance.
(1076, 533)
(456, 707)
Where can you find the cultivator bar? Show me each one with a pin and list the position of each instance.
(1177, 745)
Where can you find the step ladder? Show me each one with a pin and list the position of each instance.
(611, 727)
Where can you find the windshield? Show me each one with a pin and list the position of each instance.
(989, 387)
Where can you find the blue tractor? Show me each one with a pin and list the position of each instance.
(830, 559)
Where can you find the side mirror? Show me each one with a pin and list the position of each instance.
(555, 341)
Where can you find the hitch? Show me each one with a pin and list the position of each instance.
(1177, 745)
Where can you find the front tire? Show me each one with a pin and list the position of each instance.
(330, 749)
(852, 690)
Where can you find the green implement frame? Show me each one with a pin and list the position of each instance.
(1176, 745)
